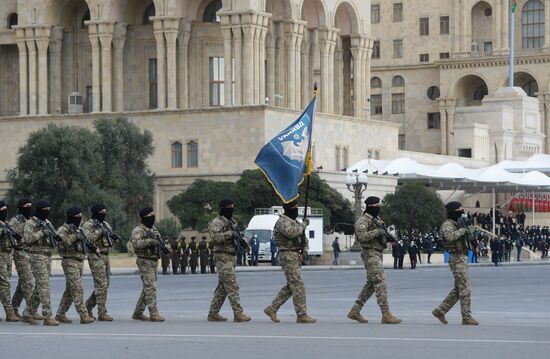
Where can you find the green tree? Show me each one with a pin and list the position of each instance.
(413, 206)
(169, 228)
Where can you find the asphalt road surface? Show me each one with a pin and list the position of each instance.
(512, 304)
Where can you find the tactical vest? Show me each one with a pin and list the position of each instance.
(459, 245)
(74, 250)
(283, 242)
(224, 247)
(150, 252)
(378, 243)
(5, 244)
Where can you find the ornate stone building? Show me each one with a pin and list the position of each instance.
(212, 79)
(436, 61)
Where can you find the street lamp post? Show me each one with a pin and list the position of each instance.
(357, 184)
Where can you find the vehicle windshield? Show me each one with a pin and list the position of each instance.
(264, 235)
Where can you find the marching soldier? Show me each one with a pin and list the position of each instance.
(288, 236)
(193, 251)
(21, 258)
(6, 249)
(203, 254)
(175, 255)
(148, 247)
(455, 241)
(224, 235)
(184, 258)
(73, 249)
(100, 234)
(372, 237)
(41, 243)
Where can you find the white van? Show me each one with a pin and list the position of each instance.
(263, 222)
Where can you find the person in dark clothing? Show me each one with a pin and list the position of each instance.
(273, 249)
(184, 254)
(254, 250)
(495, 248)
(211, 259)
(413, 253)
(336, 250)
(193, 255)
(519, 246)
(175, 256)
(396, 253)
(203, 254)
(428, 247)
(165, 262)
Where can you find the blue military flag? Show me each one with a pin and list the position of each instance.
(285, 158)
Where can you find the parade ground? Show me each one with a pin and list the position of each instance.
(511, 302)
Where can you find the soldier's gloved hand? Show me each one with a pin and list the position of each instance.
(463, 231)
(45, 232)
(306, 222)
(381, 232)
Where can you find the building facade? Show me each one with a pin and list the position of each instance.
(436, 62)
(213, 80)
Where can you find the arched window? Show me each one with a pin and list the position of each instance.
(531, 88)
(12, 20)
(192, 154)
(375, 83)
(211, 11)
(85, 17)
(480, 92)
(532, 25)
(398, 81)
(177, 155)
(149, 12)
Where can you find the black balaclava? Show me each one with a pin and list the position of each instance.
(372, 210)
(147, 221)
(3, 212)
(291, 210)
(452, 212)
(96, 208)
(225, 210)
(39, 209)
(24, 211)
(74, 216)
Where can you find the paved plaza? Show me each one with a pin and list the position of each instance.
(512, 304)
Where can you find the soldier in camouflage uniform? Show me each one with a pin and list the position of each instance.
(73, 249)
(288, 234)
(37, 236)
(369, 234)
(96, 230)
(224, 234)
(456, 242)
(148, 247)
(6, 249)
(21, 257)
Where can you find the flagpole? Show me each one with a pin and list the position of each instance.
(512, 21)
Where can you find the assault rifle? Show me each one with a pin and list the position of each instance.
(86, 244)
(12, 235)
(111, 237)
(52, 234)
(160, 244)
(381, 225)
(240, 239)
(465, 223)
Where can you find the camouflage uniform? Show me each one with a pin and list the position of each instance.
(373, 243)
(148, 254)
(225, 250)
(288, 234)
(455, 243)
(21, 258)
(99, 265)
(71, 250)
(5, 260)
(37, 237)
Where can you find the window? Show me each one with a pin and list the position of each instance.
(375, 14)
(192, 154)
(211, 12)
(177, 155)
(376, 105)
(397, 12)
(217, 81)
(376, 49)
(444, 25)
(398, 81)
(153, 103)
(424, 57)
(89, 99)
(488, 47)
(444, 55)
(12, 20)
(424, 26)
(338, 156)
(434, 120)
(433, 93)
(398, 49)
(465, 152)
(531, 88)
(85, 17)
(532, 25)
(375, 83)
(397, 103)
(149, 12)
(480, 93)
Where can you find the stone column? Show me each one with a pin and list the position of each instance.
(171, 35)
(227, 60)
(161, 61)
(338, 78)
(96, 69)
(280, 69)
(294, 31)
(42, 43)
(443, 121)
(360, 50)
(119, 40)
(263, 33)
(271, 68)
(31, 47)
(298, 62)
(106, 31)
(248, 58)
(237, 45)
(23, 72)
(307, 84)
(505, 26)
(256, 65)
(544, 104)
(450, 128)
(183, 72)
(56, 42)
(327, 42)
(497, 22)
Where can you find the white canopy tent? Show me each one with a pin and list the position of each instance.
(453, 176)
